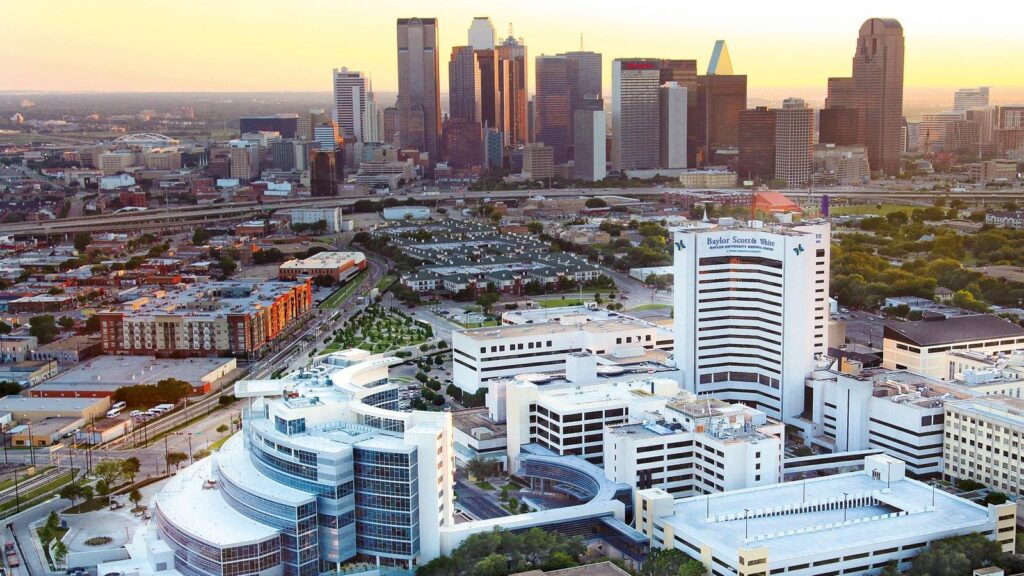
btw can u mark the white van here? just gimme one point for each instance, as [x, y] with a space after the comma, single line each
[119, 406]
[113, 412]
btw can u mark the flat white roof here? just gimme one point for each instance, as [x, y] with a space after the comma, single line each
[233, 461]
[129, 370]
[726, 536]
[573, 397]
[203, 512]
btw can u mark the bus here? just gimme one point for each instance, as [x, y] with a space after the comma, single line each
[114, 412]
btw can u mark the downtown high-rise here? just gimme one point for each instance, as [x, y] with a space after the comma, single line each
[794, 142]
[350, 91]
[513, 75]
[875, 90]
[557, 83]
[636, 113]
[419, 95]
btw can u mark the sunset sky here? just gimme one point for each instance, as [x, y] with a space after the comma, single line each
[278, 45]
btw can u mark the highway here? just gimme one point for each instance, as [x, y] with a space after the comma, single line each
[190, 216]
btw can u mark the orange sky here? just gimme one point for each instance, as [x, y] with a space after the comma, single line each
[193, 45]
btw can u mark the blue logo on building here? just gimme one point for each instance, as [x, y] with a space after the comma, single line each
[799, 248]
[680, 245]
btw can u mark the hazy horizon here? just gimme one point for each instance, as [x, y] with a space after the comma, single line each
[262, 46]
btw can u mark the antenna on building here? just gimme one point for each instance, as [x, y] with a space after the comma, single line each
[581, 41]
[510, 32]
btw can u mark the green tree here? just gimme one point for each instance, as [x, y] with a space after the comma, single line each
[670, 562]
[175, 459]
[222, 429]
[60, 551]
[82, 241]
[200, 236]
[535, 227]
[44, 328]
[135, 496]
[595, 203]
[487, 301]
[130, 467]
[956, 556]
[92, 324]
[66, 322]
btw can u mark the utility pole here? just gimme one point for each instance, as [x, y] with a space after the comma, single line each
[167, 461]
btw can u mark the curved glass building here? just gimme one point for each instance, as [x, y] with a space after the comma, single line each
[326, 470]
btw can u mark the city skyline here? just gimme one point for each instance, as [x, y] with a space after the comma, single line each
[206, 58]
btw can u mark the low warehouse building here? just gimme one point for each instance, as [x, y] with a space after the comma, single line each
[104, 375]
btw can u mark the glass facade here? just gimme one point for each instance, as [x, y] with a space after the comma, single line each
[387, 503]
[194, 557]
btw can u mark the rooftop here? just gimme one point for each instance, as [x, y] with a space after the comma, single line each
[952, 330]
[325, 260]
[1006, 409]
[190, 502]
[780, 519]
[29, 404]
[129, 370]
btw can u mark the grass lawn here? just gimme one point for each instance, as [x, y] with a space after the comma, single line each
[652, 307]
[872, 209]
[216, 445]
[385, 281]
[483, 324]
[45, 489]
[558, 303]
[97, 503]
[334, 300]
[484, 485]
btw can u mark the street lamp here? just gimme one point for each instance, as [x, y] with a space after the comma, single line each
[845, 496]
[746, 523]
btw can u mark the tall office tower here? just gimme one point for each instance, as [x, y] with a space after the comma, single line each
[350, 103]
[245, 159]
[487, 63]
[463, 144]
[390, 118]
[557, 82]
[684, 73]
[876, 90]
[672, 130]
[327, 136]
[839, 126]
[933, 129]
[589, 145]
[371, 117]
[512, 90]
[324, 172]
[778, 278]
[481, 33]
[794, 142]
[464, 84]
[721, 96]
[757, 144]
[419, 91]
[986, 118]
[494, 148]
[588, 84]
[967, 98]
[636, 113]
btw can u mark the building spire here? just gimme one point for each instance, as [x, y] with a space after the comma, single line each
[581, 41]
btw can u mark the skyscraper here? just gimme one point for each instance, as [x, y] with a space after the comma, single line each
[721, 96]
[968, 98]
[327, 136]
[684, 73]
[481, 33]
[324, 173]
[419, 96]
[876, 90]
[487, 63]
[557, 82]
[794, 142]
[371, 116]
[464, 84]
[389, 120]
[672, 129]
[512, 90]
[636, 111]
[757, 144]
[350, 103]
[589, 145]
[588, 85]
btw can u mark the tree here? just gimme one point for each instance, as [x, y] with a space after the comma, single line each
[222, 429]
[60, 551]
[92, 324]
[175, 459]
[44, 328]
[66, 322]
[200, 236]
[670, 562]
[130, 467]
[227, 266]
[955, 556]
[102, 488]
[535, 227]
[487, 301]
[5, 328]
[82, 241]
[70, 492]
[135, 496]
[87, 492]
[595, 203]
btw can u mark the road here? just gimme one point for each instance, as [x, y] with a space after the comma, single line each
[190, 216]
[31, 561]
[477, 502]
[864, 328]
